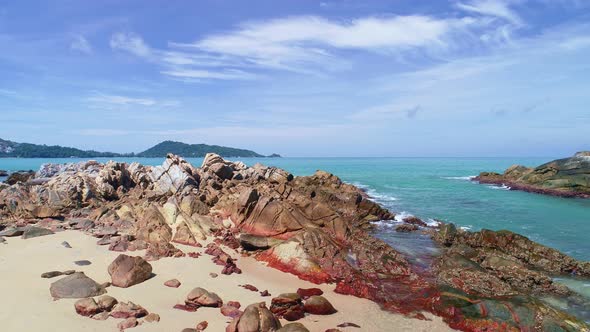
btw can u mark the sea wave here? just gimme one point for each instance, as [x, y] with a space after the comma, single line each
[402, 215]
[464, 178]
[374, 194]
[502, 187]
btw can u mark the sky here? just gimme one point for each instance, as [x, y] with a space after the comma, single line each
[298, 77]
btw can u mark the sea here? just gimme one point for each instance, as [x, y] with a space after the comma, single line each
[438, 189]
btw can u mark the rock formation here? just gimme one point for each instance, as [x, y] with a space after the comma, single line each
[568, 177]
[316, 227]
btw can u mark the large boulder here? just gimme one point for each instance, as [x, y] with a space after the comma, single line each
[199, 297]
[127, 271]
[76, 286]
[255, 318]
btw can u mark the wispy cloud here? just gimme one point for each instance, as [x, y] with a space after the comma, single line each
[496, 8]
[81, 44]
[131, 43]
[121, 100]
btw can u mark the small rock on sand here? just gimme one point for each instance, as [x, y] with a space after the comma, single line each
[82, 263]
[32, 231]
[127, 323]
[66, 244]
[318, 305]
[202, 326]
[152, 318]
[51, 274]
[174, 283]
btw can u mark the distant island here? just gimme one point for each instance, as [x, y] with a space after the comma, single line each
[27, 150]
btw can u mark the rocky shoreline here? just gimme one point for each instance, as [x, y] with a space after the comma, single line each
[568, 177]
[315, 227]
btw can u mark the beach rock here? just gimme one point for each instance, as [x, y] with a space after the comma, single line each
[174, 283]
[127, 271]
[288, 306]
[82, 262]
[200, 297]
[318, 305]
[12, 232]
[77, 285]
[255, 318]
[414, 221]
[152, 318]
[3, 173]
[32, 231]
[69, 272]
[86, 307]
[347, 324]
[103, 315]
[127, 310]
[106, 302]
[305, 293]
[19, 177]
[293, 327]
[128, 323]
[202, 326]
[65, 244]
[51, 274]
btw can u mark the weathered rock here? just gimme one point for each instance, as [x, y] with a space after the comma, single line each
[19, 177]
[77, 285]
[86, 307]
[406, 228]
[127, 271]
[288, 306]
[32, 231]
[200, 297]
[128, 323]
[65, 244]
[255, 318]
[318, 305]
[293, 327]
[51, 274]
[106, 302]
[127, 310]
[174, 283]
[11, 232]
[82, 262]
[152, 317]
[305, 293]
[202, 326]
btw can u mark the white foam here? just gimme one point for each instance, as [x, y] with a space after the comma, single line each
[402, 215]
[464, 178]
[465, 228]
[432, 223]
[502, 187]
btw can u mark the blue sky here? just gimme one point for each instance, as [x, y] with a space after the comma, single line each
[300, 78]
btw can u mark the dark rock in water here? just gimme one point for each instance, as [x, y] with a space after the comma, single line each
[3, 173]
[82, 263]
[127, 271]
[77, 285]
[12, 231]
[51, 274]
[406, 228]
[32, 231]
[65, 244]
[568, 177]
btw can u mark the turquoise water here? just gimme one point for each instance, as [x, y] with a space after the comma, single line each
[437, 188]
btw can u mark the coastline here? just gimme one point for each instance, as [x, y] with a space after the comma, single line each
[28, 304]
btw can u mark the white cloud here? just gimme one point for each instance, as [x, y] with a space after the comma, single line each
[496, 8]
[130, 42]
[207, 74]
[121, 100]
[81, 44]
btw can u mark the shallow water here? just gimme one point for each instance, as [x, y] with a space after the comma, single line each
[437, 188]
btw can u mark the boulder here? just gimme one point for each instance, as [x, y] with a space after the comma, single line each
[32, 231]
[293, 327]
[288, 306]
[19, 177]
[12, 232]
[106, 302]
[87, 307]
[127, 310]
[318, 305]
[255, 318]
[76, 286]
[200, 297]
[127, 271]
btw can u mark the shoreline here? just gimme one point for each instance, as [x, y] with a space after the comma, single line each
[22, 262]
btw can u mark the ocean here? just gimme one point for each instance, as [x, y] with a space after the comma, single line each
[434, 188]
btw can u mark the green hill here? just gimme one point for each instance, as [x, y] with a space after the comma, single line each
[27, 150]
[195, 150]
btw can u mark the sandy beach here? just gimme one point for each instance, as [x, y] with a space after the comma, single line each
[27, 304]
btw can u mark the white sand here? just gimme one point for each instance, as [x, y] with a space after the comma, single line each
[26, 304]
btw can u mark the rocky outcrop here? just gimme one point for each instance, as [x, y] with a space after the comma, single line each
[568, 177]
[316, 227]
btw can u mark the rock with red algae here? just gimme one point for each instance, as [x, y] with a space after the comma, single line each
[127, 271]
[318, 305]
[288, 306]
[255, 318]
[128, 323]
[127, 310]
[200, 297]
[305, 293]
[87, 307]
[202, 326]
[174, 283]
